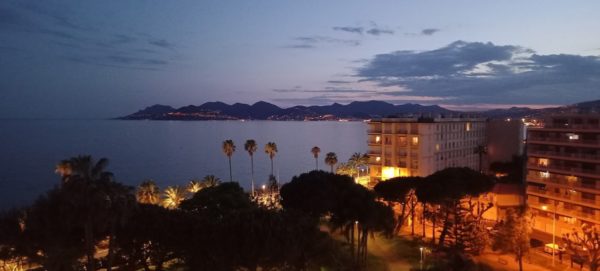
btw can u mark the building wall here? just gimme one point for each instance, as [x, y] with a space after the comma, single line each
[563, 172]
[504, 140]
[420, 147]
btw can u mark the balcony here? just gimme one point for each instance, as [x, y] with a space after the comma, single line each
[563, 141]
[564, 182]
[560, 210]
[374, 131]
[594, 173]
[594, 158]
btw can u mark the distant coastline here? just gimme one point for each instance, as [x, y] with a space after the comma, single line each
[355, 111]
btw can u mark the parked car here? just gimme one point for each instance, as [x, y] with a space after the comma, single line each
[548, 248]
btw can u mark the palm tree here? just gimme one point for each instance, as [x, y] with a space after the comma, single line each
[194, 186]
[480, 150]
[173, 196]
[148, 193]
[87, 181]
[331, 159]
[271, 150]
[229, 149]
[210, 181]
[250, 147]
[315, 151]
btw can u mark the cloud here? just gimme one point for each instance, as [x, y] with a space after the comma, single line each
[379, 31]
[338, 82]
[308, 42]
[350, 29]
[476, 72]
[429, 31]
[161, 43]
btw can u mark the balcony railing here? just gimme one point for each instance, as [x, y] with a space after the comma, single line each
[563, 180]
[564, 140]
[595, 157]
[576, 211]
[565, 169]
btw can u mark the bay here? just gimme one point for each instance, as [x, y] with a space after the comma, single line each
[169, 152]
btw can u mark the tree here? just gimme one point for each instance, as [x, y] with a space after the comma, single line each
[481, 150]
[358, 160]
[83, 178]
[351, 207]
[331, 160]
[210, 181]
[251, 147]
[447, 190]
[194, 186]
[271, 150]
[585, 244]
[228, 149]
[173, 196]
[315, 151]
[514, 234]
[400, 191]
[148, 193]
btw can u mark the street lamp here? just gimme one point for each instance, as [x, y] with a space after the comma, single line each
[554, 246]
[421, 261]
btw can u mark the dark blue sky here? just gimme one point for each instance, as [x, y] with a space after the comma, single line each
[88, 59]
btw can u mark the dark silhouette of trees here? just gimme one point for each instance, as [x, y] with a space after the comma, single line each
[400, 191]
[584, 243]
[353, 210]
[514, 234]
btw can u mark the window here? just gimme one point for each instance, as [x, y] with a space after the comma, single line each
[544, 174]
[468, 126]
[377, 159]
[543, 162]
[377, 139]
[415, 141]
[572, 136]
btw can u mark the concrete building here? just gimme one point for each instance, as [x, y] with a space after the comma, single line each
[422, 146]
[563, 172]
[504, 139]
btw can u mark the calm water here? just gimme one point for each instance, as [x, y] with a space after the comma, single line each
[169, 152]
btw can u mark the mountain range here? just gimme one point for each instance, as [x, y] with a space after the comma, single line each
[355, 110]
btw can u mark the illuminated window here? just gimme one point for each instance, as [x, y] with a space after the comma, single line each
[544, 174]
[377, 158]
[377, 139]
[437, 147]
[573, 136]
[392, 172]
[415, 140]
[468, 126]
[543, 162]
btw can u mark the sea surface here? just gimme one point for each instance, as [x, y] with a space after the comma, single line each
[168, 152]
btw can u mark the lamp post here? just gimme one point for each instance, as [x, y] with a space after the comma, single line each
[554, 246]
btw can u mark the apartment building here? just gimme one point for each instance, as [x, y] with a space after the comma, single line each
[422, 146]
[563, 172]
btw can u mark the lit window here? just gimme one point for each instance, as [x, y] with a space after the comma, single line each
[468, 126]
[377, 158]
[543, 162]
[544, 174]
[415, 140]
[573, 136]
[437, 147]
[377, 139]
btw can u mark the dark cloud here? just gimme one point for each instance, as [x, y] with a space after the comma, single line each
[356, 30]
[339, 82]
[475, 72]
[379, 31]
[161, 43]
[429, 31]
[300, 46]
[117, 61]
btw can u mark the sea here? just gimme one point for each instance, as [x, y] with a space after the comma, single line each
[168, 152]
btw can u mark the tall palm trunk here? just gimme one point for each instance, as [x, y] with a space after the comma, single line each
[272, 166]
[230, 174]
[89, 243]
[331, 168]
[317, 162]
[252, 170]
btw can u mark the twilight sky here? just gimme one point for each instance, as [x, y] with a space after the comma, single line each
[96, 59]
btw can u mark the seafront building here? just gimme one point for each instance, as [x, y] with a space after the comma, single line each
[563, 172]
[422, 146]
